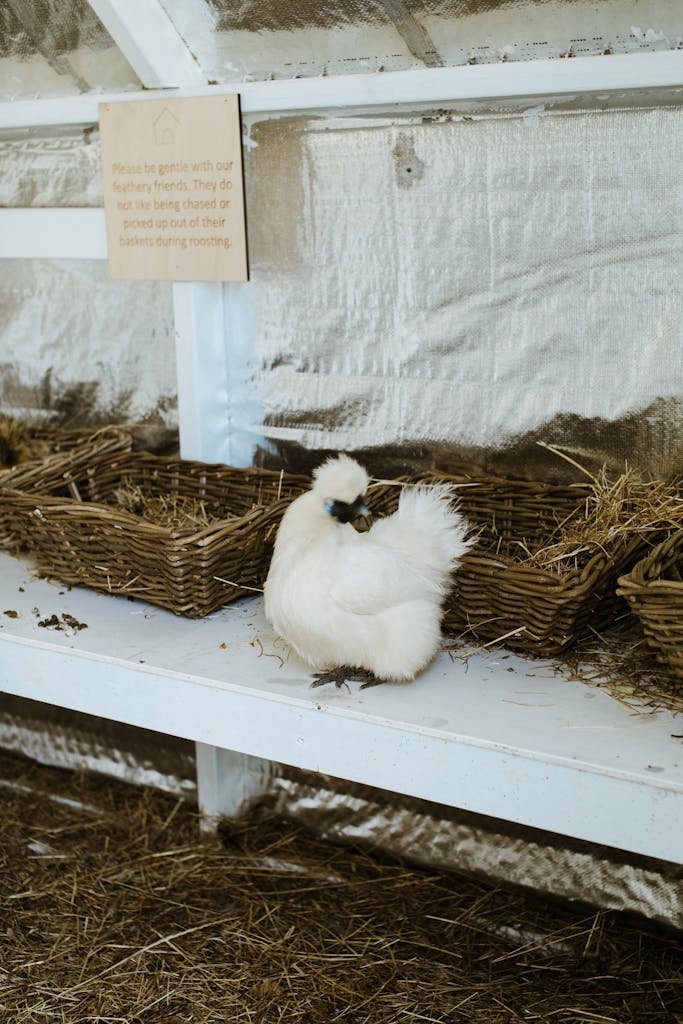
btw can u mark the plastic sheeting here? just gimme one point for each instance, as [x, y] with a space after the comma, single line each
[457, 286]
[441, 838]
[453, 840]
[76, 343]
[67, 739]
[279, 38]
[57, 46]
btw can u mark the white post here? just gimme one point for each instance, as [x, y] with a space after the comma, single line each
[228, 783]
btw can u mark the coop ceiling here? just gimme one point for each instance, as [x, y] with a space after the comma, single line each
[57, 46]
[262, 39]
[62, 46]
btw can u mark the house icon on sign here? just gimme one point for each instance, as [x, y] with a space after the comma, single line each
[165, 125]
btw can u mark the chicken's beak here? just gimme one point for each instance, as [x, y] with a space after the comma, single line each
[363, 520]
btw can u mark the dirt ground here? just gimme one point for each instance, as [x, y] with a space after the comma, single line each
[113, 910]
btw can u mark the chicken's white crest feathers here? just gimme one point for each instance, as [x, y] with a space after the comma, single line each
[340, 478]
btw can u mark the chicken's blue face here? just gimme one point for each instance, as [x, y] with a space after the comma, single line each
[347, 512]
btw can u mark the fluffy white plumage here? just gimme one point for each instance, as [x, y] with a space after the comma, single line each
[371, 600]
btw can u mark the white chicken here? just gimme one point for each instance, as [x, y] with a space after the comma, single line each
[363, 605]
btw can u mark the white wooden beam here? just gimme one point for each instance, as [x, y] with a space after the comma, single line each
[430, 87]
[150, 42]
[68, 233]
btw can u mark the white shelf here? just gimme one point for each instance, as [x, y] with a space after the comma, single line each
[494, 734]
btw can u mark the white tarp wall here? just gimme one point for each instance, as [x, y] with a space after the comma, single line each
[431, 287]
[448, 285]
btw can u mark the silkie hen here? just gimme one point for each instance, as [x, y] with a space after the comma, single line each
[363, 605]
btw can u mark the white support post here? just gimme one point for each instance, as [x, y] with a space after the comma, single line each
[150, 42]
[228, 783]
[198, 315]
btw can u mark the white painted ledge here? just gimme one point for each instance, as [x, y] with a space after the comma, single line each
[496, 735]
[533, 80]
[76, 233]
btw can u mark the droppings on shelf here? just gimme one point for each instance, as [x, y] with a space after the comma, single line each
[68, 624]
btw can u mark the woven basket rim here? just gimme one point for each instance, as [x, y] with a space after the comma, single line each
[112, 438]
[138, 524]
[193, 470]
[646, 575]
[582, 576]
[472, 478]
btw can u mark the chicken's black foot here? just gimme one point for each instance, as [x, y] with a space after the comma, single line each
[370, 680]
[340, 676]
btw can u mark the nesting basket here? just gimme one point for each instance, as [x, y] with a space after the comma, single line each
[65, 512]
[50, 473]
[22, 445]
[654, 590]
[499, 597]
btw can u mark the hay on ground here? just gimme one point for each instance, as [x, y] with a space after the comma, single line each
[112, 911]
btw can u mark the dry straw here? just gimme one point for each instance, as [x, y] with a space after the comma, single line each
[173, 511]
[621, 661]
[545, 566]
[13, 443]
[615, 511]
[111, 910]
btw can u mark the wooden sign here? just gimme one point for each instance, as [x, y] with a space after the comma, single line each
[173, 189]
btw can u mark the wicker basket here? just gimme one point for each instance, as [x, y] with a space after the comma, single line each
[499, 598]
[50, 474]
[654, 590]
[23, 445]
[65, 513]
